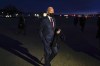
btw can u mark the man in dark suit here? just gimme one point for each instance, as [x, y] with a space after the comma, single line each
[47, 32]
[21, 24]
[82, 22]
[98, 31]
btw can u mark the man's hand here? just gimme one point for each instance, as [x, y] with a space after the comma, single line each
[58, 31]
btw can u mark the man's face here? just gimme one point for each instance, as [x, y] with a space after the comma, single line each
[50, 10]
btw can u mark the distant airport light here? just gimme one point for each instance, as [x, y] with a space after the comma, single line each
[60, 15]
[66, 15]
[2, 12]
[7, 16]
[17, 14]
[79, 15]
[35, 14]
[86, 16]
[74, 15]
[10, 16]
[44, 14]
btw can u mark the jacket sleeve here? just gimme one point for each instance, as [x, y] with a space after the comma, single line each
[42, 24]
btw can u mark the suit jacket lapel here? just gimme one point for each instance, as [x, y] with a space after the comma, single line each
[48, 20]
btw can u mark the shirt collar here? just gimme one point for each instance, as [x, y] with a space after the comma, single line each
[49, 17]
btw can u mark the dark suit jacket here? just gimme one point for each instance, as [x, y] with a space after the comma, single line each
[46, 30]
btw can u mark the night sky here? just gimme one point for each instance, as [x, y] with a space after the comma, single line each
[61, 6]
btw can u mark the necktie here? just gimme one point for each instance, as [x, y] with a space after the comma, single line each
[52, 22]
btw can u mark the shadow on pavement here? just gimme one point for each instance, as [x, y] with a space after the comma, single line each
[14, 47]
[82, 45]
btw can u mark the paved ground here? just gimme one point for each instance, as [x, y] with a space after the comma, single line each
[79, 49]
